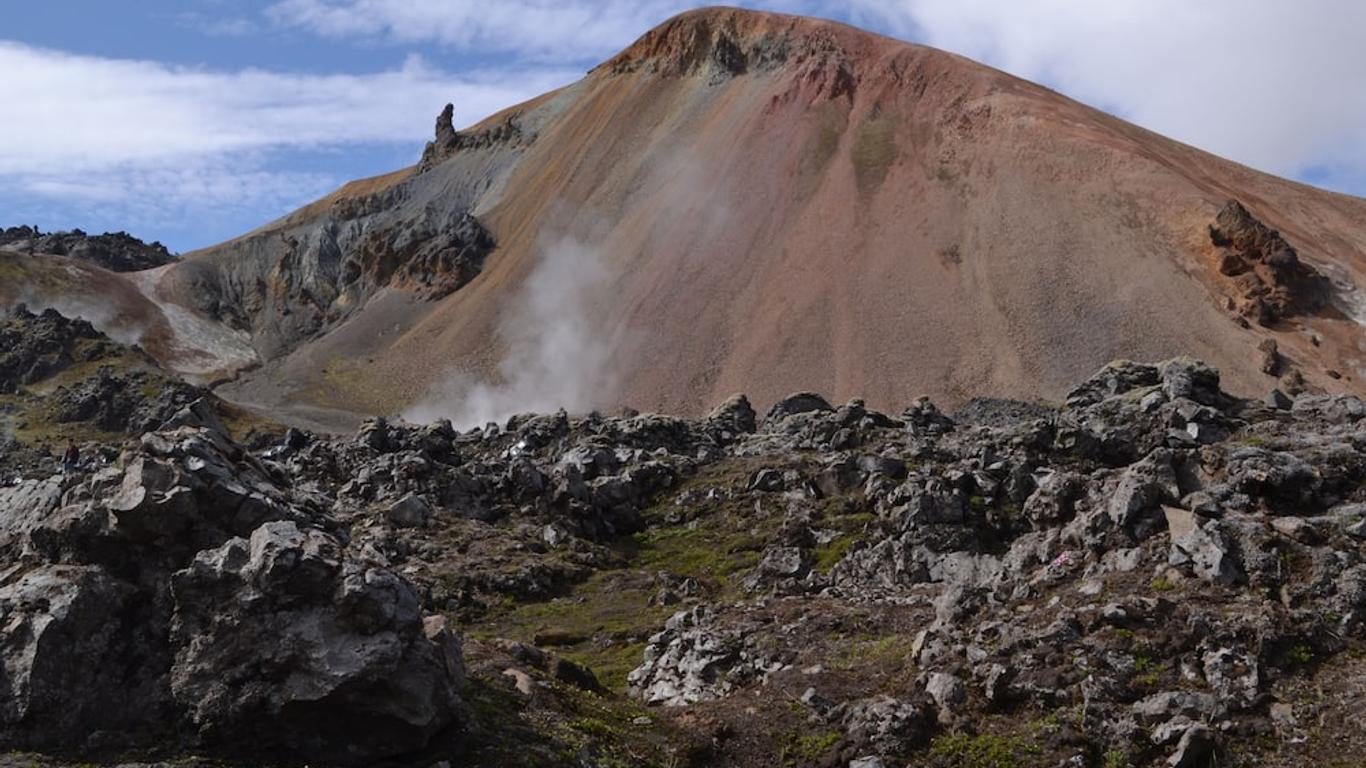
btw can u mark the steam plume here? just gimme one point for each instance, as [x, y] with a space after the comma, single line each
[556, 357]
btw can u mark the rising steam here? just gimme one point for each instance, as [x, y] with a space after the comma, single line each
[102, 314]
[556, 356]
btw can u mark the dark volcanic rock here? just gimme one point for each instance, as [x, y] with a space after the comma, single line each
[116, 251]
[188, 597]
[286, 644]
[801, 402]
[35, 347]
[995, 412]
[447, 141]
[131, 403]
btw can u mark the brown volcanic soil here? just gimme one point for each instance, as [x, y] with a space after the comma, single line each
[125, 306]
[863, 217]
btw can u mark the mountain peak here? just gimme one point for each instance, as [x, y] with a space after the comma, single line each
[733, 41]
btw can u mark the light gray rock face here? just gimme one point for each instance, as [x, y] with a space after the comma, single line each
[693, 659]
[1206, 549]
[284, 284]
[891, 726]
[1142, 488]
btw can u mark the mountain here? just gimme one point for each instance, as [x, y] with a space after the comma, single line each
[755, 202]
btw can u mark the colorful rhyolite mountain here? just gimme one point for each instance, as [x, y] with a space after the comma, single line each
[755, 202]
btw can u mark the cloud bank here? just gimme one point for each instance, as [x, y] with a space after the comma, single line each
[155, 140]
[534, 29]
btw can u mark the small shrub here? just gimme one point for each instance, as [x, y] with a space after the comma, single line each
[1162, 585]
[807, 748]
[1300, 654]
[986, 750]
[832, 552]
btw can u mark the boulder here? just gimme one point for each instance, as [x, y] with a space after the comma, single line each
[924, 418]
[801, 402]
[696, 658]
[1233, 675]
[1203, 545]
[411, 511]
[75, 658]
[1330, 409]
[948, 694]
[766, 480]
[201, 413]
[285, 644]
[576, 675]
[1141, 491]
[1282, 480]
[1196, 749]
[1278, 400]
[1116, 378]
[1054, 498]
[1196, 705]
[1184, 378]
[888, 725]
[24, 508]
[734, 416]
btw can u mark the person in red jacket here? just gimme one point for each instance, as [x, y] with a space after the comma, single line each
[71, 457]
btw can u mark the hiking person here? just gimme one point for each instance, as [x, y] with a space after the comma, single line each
[71, 457]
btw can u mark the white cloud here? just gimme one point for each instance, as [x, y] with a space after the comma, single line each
[1268, 83]
[83, 112]
[150, 137]
[561, 30]
[152, 193]
[217, 26]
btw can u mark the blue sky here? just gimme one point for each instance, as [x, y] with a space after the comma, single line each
[191, 122]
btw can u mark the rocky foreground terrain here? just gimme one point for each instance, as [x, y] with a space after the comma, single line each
[1152, 573]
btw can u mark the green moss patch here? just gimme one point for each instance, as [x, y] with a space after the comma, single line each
[874, 152]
